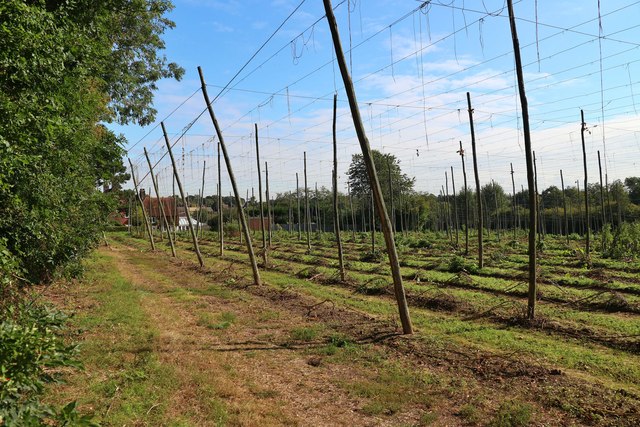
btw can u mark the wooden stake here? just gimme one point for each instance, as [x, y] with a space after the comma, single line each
[336, 216]
[477, 178]
[144, 212]
[160, 204]
[371, 170]
[533, 291]
[184, 200]
[242, 219]
[200, 202]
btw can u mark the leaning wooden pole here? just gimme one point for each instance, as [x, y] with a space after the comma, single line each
[264, 236]
[160, 203]
[184, 200]
[371, 170]
[466, 202]
[243, 220]
[477, 178]
[533, 291]
[336, 216]
[583, 128]
[144, 212]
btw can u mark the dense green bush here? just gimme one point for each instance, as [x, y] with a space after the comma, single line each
[623, 242]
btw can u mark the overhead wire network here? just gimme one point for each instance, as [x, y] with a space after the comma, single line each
[406, 99]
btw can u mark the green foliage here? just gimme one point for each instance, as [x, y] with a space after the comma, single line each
[31, 349]
[624, 242]
[457, 264]
[65, 68]
[512, 414]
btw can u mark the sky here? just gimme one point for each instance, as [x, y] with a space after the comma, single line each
[412, 64]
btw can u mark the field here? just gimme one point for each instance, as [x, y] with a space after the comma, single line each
[308, 349]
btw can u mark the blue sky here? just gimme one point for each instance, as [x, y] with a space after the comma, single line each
[412, 68]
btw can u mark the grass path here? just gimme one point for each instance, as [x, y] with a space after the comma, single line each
[166, 343]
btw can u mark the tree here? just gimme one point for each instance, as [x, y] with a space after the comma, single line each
[359, 181]
[65, 67]
[633, 186]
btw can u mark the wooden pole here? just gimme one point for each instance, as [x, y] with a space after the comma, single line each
[537, 206]
[564, 206]
[455, 205]
[242, 219]
[264, 236]
[299, 213]
[372, 218]
[513, 186]
[266, 180]
[603, 215]
[184, 200]
[336, 220]
[466, 202]
[307, 212]
[533, 291]
[160, 204]
[477, 178]
[220, 213]
[393, 213]
[583, 128]
[495, 198]
[353, 214]
[144, 212]
[371, 170]
[200, 202]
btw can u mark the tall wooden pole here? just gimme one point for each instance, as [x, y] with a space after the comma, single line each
[336, 216]
[455, 205]
[513, 186]
[393, 213]
[264, 236]
[466, 202]
[299, 213]
[144, 212]
[160, 203]
[353, 214]
[564, 206]
[477, 178]
[242, 219]
[184, 200]
[307, 212]
[533, 291]
[220, 214]
[266, 180]
[603, 212]
[371, 170]
[200, 202]
[583, 128]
